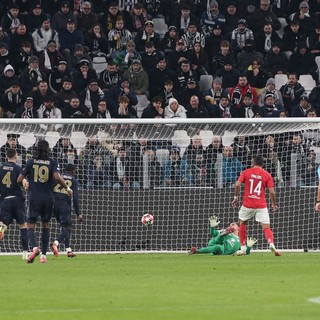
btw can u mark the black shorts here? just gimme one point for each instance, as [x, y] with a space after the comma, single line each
[62, 212]
[40, 208]
[12, 208]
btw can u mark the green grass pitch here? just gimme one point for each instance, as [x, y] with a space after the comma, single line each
[161, 286]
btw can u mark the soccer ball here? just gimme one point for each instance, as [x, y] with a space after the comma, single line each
[147, 219]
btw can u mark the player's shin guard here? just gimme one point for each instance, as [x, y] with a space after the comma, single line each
[243, 234]
[45, 240]
[32, 238]
[24, 239]
[268, 234]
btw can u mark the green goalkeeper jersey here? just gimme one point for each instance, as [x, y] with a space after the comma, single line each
[230, 243]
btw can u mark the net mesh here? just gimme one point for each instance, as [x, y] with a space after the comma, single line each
[181, 173]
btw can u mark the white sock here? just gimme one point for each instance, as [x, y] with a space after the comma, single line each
[243, 248]
[56, 242]
[68, 249]
[43, 256]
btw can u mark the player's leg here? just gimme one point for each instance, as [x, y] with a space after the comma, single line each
[262, 216]
[46, 213]
[215, 250]
[245, 214]
[19, 215]
[6, 216]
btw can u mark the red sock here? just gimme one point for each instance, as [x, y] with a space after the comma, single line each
[268, 234]
[243, 234]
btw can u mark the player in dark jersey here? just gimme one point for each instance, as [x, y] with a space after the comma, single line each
[62, 210]
[12, 199]
[40, 173]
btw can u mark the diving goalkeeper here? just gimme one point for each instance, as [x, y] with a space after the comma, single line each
[223, 242]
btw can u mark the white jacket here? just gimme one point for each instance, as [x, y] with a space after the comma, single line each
[54, 113]
[181, 112]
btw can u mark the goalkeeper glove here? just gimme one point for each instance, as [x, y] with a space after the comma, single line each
[214, 221]
[251, 241]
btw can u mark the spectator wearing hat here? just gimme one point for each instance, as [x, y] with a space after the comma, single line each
[91, 96]
[224, 53]
[146, 35]
[35, 17]
[7, 78]
[265, 38]
[78, 55]
[136, 18]
[179, 54]
[183, 19]
[195, 109]
[270, 108]
[212, 17]
[31, 76]
[302, 108]
[248, 53]
[86, 18]
[257, 76]
[12, 99]
[270, 88]
[40, 94]
[66, 93]
[69, 37]
[12, 19]
[305, 17]
[121, 89]
[168, 42]
[5, 56]
[118, 37]
[96, 42]
[42, 35]
[174, 110]
[261, 15]
[292, 35]
[49, 58]
[199, 60]
[21, 58]
[60, 18]
[138, 78]
[109, 77]
[291, 92]
[228, 74]
[213, 42]
[192, 35]
[48, 110]
[125, 57]
[275, 60]
[81, 75]
[213, 95]
[108, 19]
[27, 111]
[155, 109]
[232, 17]
[303, 62]
[20, 35]
[13, 143]
[240, 35]
[57, 75]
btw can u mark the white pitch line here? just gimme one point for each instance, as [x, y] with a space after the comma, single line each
[315, 300]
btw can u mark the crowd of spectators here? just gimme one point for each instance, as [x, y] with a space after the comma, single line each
[48, 51]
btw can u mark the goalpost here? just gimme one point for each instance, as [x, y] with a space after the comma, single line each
[113, 197]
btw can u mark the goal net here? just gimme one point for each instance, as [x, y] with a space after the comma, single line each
[181, 171]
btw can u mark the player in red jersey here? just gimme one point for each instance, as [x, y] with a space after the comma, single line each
[256, 180]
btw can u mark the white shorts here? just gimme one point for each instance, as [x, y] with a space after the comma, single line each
[261, 214]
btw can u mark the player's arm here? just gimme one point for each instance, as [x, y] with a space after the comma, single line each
[273, 199]
[317, 206]
[235, 200]
[57, 176]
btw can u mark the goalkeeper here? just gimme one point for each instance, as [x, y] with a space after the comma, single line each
[223, 242]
